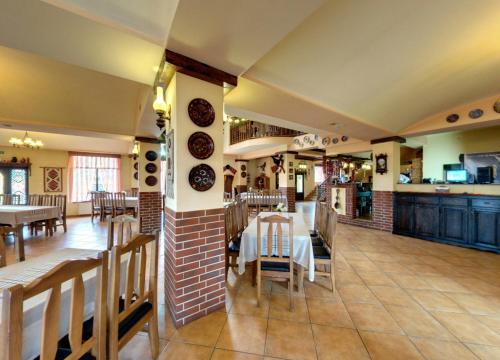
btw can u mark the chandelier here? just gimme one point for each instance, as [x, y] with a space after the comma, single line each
[26, 141]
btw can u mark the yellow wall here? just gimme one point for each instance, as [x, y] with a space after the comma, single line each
[54, 158]
[445, 148]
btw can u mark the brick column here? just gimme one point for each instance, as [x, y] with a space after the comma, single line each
[149, 211]
[194, 263]
[289, 192]
[382, 207]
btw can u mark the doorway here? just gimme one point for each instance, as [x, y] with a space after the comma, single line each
[299, 187]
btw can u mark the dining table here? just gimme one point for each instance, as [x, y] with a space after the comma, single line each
[31, 269]
[18, 215]
[303, 255]
[131, 201]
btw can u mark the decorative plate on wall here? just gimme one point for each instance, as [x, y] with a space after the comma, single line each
[136, 175]
[243, 174]
[150, 168]
[335, 140]
[243, 167]
[345, 138]
[201, 112]
[476, 113]
[496, 106]
[452, 118]
[202, 177]
[201, 145]
[151, 180]
[326, 141]
[151, 155]
[136, 166]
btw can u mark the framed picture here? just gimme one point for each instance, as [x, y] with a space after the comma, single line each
[290, 163]
[52, 179]
[381, 163]
[290, 177]
[290, 171]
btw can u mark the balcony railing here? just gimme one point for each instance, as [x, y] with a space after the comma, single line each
[254, 130]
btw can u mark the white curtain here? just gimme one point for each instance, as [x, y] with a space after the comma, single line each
[93, 173]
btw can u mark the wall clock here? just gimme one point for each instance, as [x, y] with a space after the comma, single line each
[381, 163]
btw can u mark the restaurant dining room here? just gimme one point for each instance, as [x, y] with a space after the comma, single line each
[249, 180]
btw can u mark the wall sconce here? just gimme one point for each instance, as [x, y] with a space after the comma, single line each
[303, 166]
[161, 108]
[135, 150]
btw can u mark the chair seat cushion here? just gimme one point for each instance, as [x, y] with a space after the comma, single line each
[274, 266]
[127, 323]
[234, 246]
[63, 353]
[320, 252]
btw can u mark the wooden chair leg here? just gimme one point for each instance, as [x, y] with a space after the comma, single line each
[258, 287]
[154, 337]
[65, 227]
[3, 255]
[290, 293]
[300, 279]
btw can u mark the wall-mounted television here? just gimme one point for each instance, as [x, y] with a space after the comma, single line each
[456, 176]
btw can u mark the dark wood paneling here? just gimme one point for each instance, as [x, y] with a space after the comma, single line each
[427, 220]
[485, 228]
[453, 223]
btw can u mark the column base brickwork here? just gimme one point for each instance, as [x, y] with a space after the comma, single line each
[194, 263]
[149, 211]
[289, 192]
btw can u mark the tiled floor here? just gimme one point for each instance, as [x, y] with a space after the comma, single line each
[398, 298]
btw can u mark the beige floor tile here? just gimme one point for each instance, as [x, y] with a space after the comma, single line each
[485, 352]
[376, 278]
[357, 294]
[387, 346]
[467, 329]
[334, 343]
[493, 322]
[233, 355]
[423, 269]
[393, 267]
[138, 347]
[204, 331]
[407, 281]
[434, 300]
[477, 304]
[320, 288]
[440, 350]
[445, 284]
[372, 318]
[354, 255]
[417, 322]
[362, 265]
[389, 295]
[348, 277]
[243, 333]
[279, 309]
[245, 304]
[328, 312]
[290, 340]
[176, 351]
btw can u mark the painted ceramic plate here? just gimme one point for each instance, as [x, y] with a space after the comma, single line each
[476, 113]
[201, 145]
[201, 112]
[243, 174]
[202, 177]
[243, 168]
[496, 106]
[151, 180]
[151, 168]
[345, 138]
[326, 141]
[335, 140]
[136, 166]
[136, 175]
[452, 118]
[151, 155]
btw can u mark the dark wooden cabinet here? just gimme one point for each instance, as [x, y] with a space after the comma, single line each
[465, 220]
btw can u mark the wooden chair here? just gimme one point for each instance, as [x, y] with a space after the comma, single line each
[15, 199]
[34, 199]
[78, 343]
[60, 202]
[325, 255]
[124, 229]
[5, 199]
[134, 192]
[4, 232]
[232, 247]
[275, 264]
[119, 204]
[44, 200]
[95, 200]
[106, 204]
[130, 311]
[315, 233]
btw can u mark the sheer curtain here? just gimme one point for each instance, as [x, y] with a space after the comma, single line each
[92, 172]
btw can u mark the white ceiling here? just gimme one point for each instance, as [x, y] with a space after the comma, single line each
[232, 35]
[389, 63]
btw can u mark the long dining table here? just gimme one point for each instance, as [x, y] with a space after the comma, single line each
[29, 270]
[302, 244]
[18, 215]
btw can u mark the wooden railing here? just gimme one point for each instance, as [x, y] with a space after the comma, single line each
[254, 130]
[322, 189]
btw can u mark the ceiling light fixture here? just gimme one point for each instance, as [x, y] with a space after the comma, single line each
[26, 141]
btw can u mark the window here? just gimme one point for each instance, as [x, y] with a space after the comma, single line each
[14, 181]
[91, 172]
[319, 177]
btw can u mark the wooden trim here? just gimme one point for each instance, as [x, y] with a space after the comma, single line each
[397, 139]
[75, 153]
[305, 157]
[241, 160]
[147, 140]
[199, 70]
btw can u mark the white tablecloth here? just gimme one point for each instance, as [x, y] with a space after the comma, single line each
[131, 201]
[302, 245]
[26, 271]
[263, 199]
[21, 214]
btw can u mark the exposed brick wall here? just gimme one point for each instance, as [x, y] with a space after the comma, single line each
[290, 196]
[382, 210]
[194, 263]
[150, 211]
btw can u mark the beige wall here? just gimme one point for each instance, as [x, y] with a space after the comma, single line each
[445, 148]
[55, 158]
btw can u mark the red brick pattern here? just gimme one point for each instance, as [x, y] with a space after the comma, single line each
[194, 263]
[290, 197]
[149, 211]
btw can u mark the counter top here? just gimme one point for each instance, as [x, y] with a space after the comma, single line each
[460, 189]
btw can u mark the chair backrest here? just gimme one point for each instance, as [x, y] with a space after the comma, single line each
[60, 202]
[16, 199]
[228, 196]
[279, 248]
[14, 297]
[5, 199]
[316, 215]
[331, 229]
[119, 200]
[124, 223]
[244, 212]
[134, 192]
[34, 199]
[139, 289]
[239, 216]
[107, 200]
[323, 219]
[46, 200]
